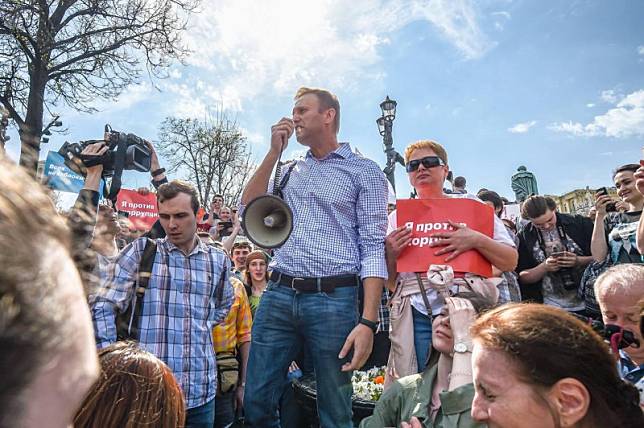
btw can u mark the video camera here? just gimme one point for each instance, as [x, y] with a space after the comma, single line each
[124, 152]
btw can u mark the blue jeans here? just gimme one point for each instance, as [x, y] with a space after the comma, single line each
[225, 409]
[284, 322]
[202, 416]
[422, 337]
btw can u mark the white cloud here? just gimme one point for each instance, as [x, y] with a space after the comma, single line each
[590, 105]
[522, 128]
[498, 24]
[247, 48]
[626, 119]
[640, 50]
[609, 96]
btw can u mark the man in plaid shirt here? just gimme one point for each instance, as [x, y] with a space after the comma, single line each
[188, 294]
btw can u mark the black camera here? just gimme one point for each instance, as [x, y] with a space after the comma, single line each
[124, 152]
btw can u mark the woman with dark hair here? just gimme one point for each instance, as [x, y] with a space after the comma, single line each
[442, 394]
[537, 366]
[554, 250]
[509, 290]
[134, 389]
[256, 277]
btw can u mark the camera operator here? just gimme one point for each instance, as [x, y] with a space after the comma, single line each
[98, 232]
[554, 250]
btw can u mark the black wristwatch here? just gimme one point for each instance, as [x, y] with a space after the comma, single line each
[373, 325]
[157, 172]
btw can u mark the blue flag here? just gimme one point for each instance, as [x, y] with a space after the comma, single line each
[60, 177]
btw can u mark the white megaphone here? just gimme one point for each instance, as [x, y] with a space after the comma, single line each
[267, 219]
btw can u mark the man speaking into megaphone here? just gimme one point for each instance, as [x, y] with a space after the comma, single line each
[338, 201]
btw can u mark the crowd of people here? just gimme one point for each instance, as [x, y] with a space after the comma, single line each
[190, 324]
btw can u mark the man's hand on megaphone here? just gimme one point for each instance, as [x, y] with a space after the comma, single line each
[280, 133]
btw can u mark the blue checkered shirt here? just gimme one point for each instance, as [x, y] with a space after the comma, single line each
[339, 208]
[182, 303]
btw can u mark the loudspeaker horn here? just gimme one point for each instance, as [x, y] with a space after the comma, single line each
[268, 221]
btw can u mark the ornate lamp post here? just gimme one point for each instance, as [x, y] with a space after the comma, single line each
[385, 125]
[4, 123]
[53, 123]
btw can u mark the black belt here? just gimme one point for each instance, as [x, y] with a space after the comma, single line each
[312, 285]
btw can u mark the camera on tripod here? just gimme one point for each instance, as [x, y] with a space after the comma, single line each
[124, 152]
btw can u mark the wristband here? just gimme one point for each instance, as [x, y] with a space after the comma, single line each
[157, 172]
[371, 324]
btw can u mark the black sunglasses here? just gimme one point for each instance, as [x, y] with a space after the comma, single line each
[427, 161]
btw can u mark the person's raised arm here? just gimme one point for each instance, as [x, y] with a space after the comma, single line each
[639, 183]
[258, 183]
[82, 218]
[598, 244]
[157, 173]
[461, 318]
[228, 242]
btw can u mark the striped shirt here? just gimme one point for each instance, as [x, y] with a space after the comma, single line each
[183, 302]
[339, 208]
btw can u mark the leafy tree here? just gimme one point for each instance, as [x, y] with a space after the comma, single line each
[75, 51]
[212, 153]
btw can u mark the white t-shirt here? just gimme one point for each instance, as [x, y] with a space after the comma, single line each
[436, 302]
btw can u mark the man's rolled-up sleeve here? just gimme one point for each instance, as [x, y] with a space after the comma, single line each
[222, 296]
[371, 212]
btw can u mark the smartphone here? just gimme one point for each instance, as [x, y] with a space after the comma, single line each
[558, 254]
[226, 224]
[610, 207]
[602, 191]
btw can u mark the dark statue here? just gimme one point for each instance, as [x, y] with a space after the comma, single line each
[524, 184]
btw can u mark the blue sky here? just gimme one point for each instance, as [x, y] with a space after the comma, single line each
[557, 86]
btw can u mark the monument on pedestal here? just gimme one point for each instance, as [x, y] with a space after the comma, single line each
[524, 184]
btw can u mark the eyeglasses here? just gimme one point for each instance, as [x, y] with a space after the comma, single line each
[427, 161]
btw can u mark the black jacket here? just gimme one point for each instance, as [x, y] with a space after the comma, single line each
[578, 228]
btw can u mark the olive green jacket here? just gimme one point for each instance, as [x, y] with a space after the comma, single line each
[410, 396]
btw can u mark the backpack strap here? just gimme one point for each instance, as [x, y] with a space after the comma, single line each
[127, 323]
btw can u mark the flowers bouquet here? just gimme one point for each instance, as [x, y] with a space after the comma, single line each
[368, 385]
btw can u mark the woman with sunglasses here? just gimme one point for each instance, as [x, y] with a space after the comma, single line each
[426, 164]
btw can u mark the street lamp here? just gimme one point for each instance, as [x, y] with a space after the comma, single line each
[4, 123]
[53, 123]
[385, 124]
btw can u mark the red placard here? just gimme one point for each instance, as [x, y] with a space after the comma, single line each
[427, 217]
[141, 209]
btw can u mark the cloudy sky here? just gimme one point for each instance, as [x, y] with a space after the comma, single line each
[557, 86]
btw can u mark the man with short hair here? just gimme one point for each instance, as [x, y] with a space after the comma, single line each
[339, 201]
[47, 355]
[459, 185]
[187, 295]
[239, 252]
[216, 204]
[554, 250]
